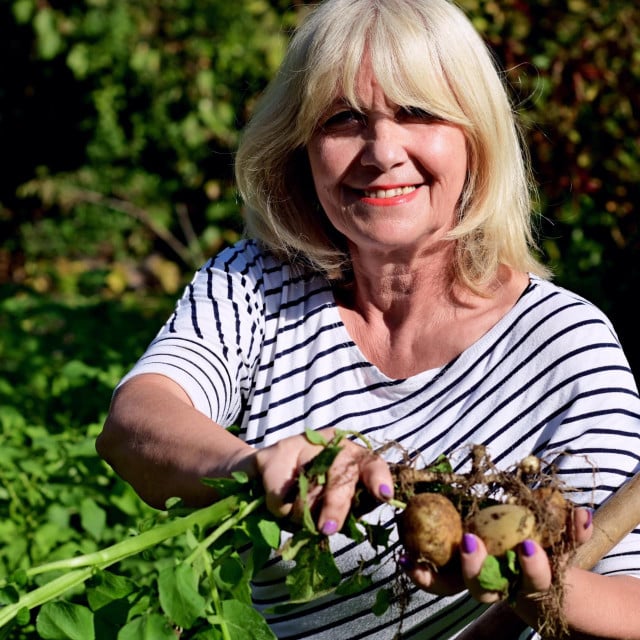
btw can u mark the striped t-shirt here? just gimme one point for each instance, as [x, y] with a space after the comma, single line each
[259, 344]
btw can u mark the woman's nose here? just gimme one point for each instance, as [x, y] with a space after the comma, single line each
[384, 144]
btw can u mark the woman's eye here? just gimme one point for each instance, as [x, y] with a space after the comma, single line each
[342, 119]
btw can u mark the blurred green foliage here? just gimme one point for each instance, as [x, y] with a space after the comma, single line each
[119, 121]
[118, 124]
[122, 119]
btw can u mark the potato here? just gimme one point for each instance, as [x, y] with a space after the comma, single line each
[430, 528]
[503, 526]
[556, 512]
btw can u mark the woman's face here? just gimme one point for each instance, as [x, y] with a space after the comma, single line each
[388, 178]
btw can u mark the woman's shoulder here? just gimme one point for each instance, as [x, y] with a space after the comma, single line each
[254, 267]
[242, 256]
[562, 306]
[556, 294]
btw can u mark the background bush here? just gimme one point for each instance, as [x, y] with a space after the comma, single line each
[118, 122]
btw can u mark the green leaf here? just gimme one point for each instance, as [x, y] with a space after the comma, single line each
[49, 41]
[384, 598]
[314, 574]
[511, 562]
[93, 518]
[244, 622]
[440, 465]
[65, 621]
[270, 531]
[377, 534]
[9, 595]
[303, 492]
[105, 587]
[147, 627]
[315, 437]
[351, 528]
[240, 477]
[492, 576]
[23, 616]
[226, 486]
[179, 597]
[229, 573]
[293, 545]
[319, 465]
[354, 584]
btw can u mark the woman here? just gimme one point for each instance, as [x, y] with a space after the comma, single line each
[388, 285]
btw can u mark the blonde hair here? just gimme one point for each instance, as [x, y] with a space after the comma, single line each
[425, 54]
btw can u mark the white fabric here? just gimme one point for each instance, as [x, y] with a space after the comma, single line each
[258, 344]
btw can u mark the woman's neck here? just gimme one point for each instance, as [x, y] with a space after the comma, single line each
[407, 321]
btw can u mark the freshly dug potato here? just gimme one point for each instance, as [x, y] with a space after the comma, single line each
[503, 526]
[430, 528]
[556, 512]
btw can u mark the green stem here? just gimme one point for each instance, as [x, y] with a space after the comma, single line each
[398, 504]
[229, 523]
[205, 517]
[45, 593]
[222, 623]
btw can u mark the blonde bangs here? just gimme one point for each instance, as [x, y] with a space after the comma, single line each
[405, 61]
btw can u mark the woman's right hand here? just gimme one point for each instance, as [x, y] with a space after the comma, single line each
[281, 463]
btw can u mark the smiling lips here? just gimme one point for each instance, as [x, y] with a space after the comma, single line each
[389, 195]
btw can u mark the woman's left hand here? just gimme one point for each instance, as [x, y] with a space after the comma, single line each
[534, 562]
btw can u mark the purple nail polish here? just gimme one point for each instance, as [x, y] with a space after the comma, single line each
[528, 548]
[589, 520]
[469, 543]
[404, 561]
[329, 527]
[385, 491]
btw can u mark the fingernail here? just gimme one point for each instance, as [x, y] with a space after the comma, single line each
[385, 491]
[528, 548]
[404, 561]
[469, 543]
[329, 527]
[587, 524]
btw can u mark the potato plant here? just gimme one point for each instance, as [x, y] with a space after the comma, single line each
[200, 588]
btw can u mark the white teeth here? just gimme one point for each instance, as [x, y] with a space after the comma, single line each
[388, 193]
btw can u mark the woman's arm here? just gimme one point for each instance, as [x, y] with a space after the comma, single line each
[155, 440]
[595, 606]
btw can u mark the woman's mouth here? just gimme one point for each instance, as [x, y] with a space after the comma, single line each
[380, 194]
[389, 196]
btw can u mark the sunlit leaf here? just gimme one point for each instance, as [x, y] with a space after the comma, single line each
[65, 621]
[179, 596]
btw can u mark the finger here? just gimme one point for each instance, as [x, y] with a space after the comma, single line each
[353, 465]
[376, 476]
[420, 574]
[536, 569]
[280, 466]
[442, 581]
[342, 478]
[582, 524]
[277, 490]
[472, 556]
